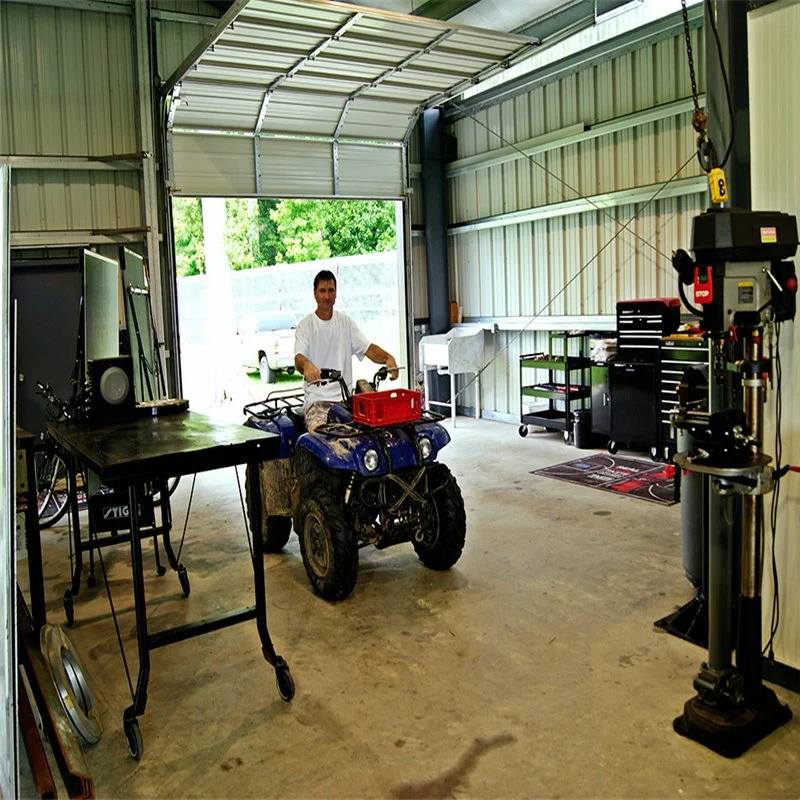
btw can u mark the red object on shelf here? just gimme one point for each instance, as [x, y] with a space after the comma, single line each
[387, 408]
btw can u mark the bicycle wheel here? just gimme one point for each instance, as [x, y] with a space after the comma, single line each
[172, 485]
[52, 487]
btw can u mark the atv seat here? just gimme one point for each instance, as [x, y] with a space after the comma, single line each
[298, 417]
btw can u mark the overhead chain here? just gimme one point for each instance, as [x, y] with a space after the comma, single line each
[705, 149]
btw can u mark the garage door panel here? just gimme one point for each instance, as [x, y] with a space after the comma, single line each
[213, 165]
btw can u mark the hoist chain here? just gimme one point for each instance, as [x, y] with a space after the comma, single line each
[699, 118]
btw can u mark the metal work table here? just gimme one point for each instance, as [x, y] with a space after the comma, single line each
[155, 448]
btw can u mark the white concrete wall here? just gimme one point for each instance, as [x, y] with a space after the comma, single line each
[774, 59]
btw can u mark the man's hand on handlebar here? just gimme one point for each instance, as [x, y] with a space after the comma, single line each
[311, 372]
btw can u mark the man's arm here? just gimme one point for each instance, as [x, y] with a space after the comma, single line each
[306, 368]
[380, 356]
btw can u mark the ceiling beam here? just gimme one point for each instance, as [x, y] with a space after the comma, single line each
[442, 9]
[224, 23]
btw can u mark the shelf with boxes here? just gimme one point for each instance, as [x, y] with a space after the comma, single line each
[559, 378]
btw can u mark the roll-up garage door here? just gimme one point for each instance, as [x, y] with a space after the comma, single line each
[313, 98]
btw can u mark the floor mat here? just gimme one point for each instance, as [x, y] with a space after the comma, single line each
[621, 474]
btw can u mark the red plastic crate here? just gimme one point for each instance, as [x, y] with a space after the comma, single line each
[387, 408]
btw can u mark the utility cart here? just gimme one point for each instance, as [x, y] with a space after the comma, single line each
[559, 379]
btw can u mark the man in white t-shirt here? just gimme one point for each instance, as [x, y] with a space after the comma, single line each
[329, 339]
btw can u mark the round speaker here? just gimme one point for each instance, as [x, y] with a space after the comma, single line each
[114, 386]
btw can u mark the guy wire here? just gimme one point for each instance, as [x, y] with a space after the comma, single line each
[613, 238]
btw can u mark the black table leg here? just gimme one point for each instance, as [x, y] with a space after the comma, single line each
[33, 541]
[75, 586]
[283, 676]
[129, 718]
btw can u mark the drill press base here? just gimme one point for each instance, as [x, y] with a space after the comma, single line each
[731, 731]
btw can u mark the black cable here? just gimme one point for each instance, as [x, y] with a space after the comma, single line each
[244, 511]
[186, 520]
[93, 536]
[776, 606]
[713, 25]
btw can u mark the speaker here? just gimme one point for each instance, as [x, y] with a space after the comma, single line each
[111, 395]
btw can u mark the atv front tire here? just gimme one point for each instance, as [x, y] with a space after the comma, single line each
[327, 544]
[442, 542]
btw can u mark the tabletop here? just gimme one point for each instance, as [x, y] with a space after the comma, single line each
[163, 446]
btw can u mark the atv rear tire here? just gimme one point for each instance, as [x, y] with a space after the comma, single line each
[274, 531]
[328, 546]
[442, 547]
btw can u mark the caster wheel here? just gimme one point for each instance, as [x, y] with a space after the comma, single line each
[160, 570]
[68, 608]
[523, 431]
[183, 577]
[613, 448]
[134, 737]
[285, 683]
[91, 581]
[568, 437]
[655, 455]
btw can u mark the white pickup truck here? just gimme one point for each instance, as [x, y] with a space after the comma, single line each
[267, 343]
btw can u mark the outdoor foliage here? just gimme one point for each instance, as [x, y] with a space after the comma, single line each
[263, 232]
[187, 219]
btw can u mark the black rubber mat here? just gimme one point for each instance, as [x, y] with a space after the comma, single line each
[633, 477]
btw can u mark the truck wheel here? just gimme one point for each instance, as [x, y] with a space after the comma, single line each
[266, 372]
[274, 531]
[439, 546]
[328, 546]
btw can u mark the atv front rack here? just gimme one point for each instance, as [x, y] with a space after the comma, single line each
[276, 403]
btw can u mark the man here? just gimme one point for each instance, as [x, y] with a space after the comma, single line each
[329, 339]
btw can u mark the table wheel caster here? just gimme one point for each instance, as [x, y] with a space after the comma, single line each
[523, 431]
[68, 608]
[160, 570]
[183, 577]
[613, 448]
[134, 737]
[285, 681]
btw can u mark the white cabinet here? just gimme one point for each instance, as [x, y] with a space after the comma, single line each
[459, 351]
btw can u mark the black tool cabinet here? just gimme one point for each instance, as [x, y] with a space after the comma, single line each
[559, 378]
[634, 376]
[676, 353]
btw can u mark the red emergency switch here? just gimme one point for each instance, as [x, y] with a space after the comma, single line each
[703, 286]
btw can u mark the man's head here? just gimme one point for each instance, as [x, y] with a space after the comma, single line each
[325, 293]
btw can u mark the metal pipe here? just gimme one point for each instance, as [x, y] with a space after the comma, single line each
[729, 126]
[751, 506]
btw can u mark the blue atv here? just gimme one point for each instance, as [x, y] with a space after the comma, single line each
[348, 485]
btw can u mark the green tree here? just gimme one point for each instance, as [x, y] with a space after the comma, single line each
[187, 220]
[311, 229]
[241, 232]
[300, 226]
[353, 227]
[269, 243]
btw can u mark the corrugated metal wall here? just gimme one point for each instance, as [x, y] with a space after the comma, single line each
[69, 89]
[774, 62]
[573, 263]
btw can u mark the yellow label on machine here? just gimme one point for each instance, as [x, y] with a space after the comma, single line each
[718, 185]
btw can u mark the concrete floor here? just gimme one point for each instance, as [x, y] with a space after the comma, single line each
[531, 669]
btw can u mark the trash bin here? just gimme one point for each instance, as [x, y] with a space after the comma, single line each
[582, 428]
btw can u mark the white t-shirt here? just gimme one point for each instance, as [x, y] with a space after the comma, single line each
[329, 344]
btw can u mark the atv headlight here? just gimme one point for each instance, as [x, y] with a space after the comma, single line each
[425, 447]
[371, 460]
